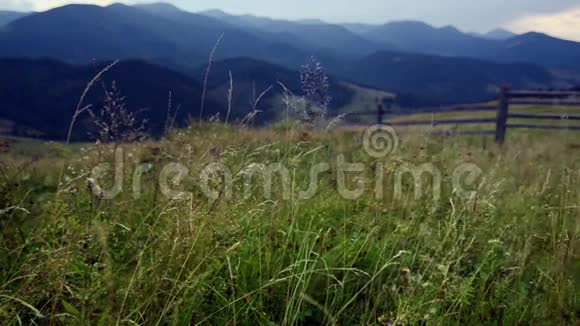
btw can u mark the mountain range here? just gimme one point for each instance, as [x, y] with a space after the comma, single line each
[498, 45]
[165, 34]
[425, 65]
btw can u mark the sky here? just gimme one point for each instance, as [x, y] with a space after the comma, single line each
[556, 17]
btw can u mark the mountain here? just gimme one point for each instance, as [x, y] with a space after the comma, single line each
[498, 46]
[419, 37]
[499, 34]
[7, 17]
[41, 95]
[429, 80]
[540, 49]
[123, 32]
[307, 34]
[100, 33]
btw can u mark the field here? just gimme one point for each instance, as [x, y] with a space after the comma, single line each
[493, 239]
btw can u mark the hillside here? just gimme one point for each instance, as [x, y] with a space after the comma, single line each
[426, 80]
[40, 96]
[492, 239]
[251, 77]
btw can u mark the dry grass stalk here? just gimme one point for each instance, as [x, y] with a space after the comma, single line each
[230, 96]
[206, 77]
[80, 108]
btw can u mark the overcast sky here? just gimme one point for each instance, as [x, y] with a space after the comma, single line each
[558, 17]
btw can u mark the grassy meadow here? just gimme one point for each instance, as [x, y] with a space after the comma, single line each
[507, 254]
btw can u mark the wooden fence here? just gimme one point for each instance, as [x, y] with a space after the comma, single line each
[506, 97]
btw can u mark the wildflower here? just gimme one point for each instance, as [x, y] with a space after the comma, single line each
[315, 86]
[114, 122]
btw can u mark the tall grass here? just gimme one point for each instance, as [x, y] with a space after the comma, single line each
[507, 256]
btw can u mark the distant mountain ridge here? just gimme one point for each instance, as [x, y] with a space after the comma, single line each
[7, 17]
[498, 45]
[420, 37]
[542, 49]
[314, 34]
[82, 33]
[165, 34]
[423, 80]
[41, 95]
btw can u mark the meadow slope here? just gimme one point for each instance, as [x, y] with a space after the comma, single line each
[498, 245]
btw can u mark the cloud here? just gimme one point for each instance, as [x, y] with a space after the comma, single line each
[18, 5]
[42, 5]
[565, 24]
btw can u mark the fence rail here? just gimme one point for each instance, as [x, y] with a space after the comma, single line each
[505, 98]
[542, 94]
[551, 102]
[542, 116]
[441, 122]
[464, 132]
[541, 126]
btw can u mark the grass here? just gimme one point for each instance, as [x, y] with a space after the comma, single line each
[509, 255]
[364, 99]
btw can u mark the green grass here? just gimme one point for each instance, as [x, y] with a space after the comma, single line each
[364, 99]
[508, 255]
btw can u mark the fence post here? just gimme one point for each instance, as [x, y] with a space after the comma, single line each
[502, 114]
[380, 113]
